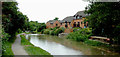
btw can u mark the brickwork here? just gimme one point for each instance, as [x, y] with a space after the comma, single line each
[68, 30]
[52, 25]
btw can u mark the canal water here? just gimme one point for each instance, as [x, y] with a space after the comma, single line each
[61, 46]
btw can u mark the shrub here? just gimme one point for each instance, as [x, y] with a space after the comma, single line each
[57, 31]
[80, 35]
[46, 31]
[5, 36]
[62, 28]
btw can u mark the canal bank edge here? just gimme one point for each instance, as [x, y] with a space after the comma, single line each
[31, 49]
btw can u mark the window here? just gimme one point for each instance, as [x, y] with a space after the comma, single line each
[81, 22]
[74, 25]
[61, 23]
[78, 25]
[69, 23]
[66, 25]
[56, 24]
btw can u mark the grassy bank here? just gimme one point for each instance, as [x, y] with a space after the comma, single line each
[104, 46]
[7, 48]
[82, 35]
[31, 49]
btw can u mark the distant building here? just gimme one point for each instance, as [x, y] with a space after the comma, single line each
[69, 22]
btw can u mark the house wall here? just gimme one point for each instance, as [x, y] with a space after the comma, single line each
[78, 20]
[48, 25]
[68, 25]
[68, 30]
[58, 24]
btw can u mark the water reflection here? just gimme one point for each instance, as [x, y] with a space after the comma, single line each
[61, 46]
[52, 47]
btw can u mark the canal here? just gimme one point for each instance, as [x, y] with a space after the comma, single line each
[61, 46]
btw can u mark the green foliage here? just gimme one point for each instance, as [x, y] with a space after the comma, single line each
[56, 18]
[80, 35]
[19, 31]
[94, 43]
[6, 45]
[53, 31]
[12, 21]
[24, 41]
[57, 31]
[104, 19]
[35, 27]
[5, 36]
[12, 18]
[76, 29]
[62, 28]
[6, 48]
[46, 31]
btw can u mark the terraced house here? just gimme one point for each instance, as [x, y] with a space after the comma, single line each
[69, 22]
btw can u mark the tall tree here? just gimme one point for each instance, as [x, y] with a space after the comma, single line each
[12, 18]
[105, 18]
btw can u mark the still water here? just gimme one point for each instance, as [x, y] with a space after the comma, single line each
[61, 46]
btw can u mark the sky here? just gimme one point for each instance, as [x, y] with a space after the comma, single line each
[45, 10]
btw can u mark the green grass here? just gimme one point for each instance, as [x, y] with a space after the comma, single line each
[31, 49]
[27, 32]
[95, 43]
[7, 48]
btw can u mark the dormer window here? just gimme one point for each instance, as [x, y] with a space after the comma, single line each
[74, 17]
[78, 17]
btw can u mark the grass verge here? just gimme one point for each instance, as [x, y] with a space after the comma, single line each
[31, 49]
[7, 48]
[104, 46]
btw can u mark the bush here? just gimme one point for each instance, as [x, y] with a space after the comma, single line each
[5, 36]
[80, 35]
[58, 31]
[53, 31]
[62, 28]
[46, 31]
[76, 29]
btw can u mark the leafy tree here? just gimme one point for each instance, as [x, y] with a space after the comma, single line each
[104, 19]
[12, 19]
[35, 26]
[56, 18]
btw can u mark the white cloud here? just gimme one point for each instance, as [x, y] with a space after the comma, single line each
[44, 10]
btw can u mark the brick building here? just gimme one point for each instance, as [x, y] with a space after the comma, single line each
[69, 22]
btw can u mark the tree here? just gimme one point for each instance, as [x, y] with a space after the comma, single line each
[104, 18]
[56, 18]
[12, 18]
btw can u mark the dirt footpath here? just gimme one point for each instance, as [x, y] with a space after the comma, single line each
[17, 48]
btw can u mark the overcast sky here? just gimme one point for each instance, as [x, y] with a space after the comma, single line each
[45, 10]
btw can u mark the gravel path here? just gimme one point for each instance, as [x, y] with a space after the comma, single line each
[17, 48]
